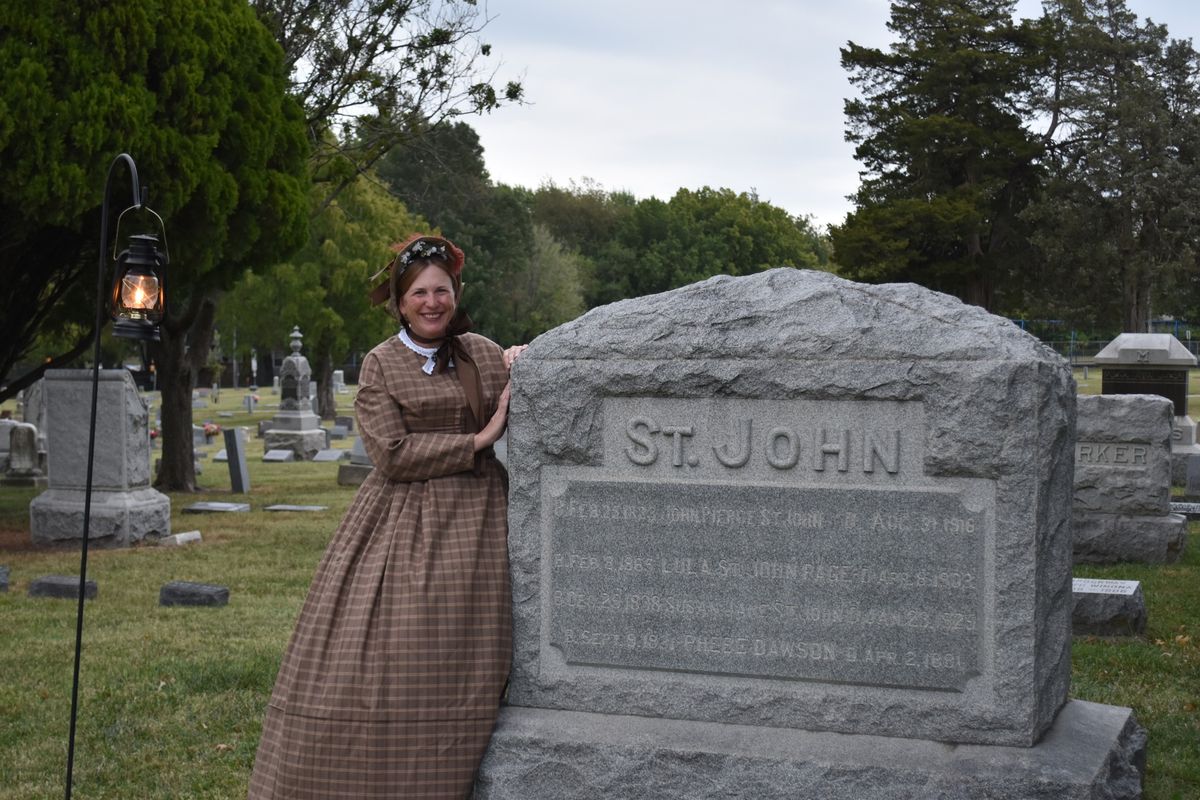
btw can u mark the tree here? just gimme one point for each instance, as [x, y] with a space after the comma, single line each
[947, 163]
[323, 288]
[379, 73]
[1119, 219]
[197, 94]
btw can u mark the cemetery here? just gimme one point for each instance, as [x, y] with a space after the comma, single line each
[205, 601]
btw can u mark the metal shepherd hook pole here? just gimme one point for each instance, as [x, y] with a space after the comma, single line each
[87, 497]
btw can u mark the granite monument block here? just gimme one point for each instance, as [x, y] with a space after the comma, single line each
[782, 507]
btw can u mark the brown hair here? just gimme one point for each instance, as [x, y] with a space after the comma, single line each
[402, 279]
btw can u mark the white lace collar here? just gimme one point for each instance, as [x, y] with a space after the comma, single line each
[430, 353]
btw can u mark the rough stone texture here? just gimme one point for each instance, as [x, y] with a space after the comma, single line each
[1113, 538]
[1123, 454]
[65, 587]
[125, 509]
[186, 593]
[982, 417]
[1093, 752]
[1108, 608]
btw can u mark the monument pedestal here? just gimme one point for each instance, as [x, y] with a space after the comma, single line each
[305, 444]
[117, 518]
[1092, 751]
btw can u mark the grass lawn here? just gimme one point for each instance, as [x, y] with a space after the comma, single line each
[171, 698]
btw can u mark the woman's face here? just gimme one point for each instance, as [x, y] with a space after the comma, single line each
[428, 305]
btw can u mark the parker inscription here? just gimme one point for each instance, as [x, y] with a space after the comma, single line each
[844, 585]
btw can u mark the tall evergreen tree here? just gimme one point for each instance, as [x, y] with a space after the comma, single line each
[947, 163]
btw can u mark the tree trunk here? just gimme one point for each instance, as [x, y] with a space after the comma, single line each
[326, 398]
[178, 367]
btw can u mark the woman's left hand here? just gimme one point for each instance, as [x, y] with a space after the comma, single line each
[510, 355]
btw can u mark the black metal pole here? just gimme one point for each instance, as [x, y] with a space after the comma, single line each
[87, 496]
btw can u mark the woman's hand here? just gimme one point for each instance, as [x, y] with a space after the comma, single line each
[510, 355]
[494, 429]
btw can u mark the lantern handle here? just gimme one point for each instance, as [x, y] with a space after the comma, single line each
[161, 226]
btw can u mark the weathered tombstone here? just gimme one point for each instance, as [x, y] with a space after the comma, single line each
[125, 508]
[338, 432]
[346, 422]
[279, 456]
[235, 452]
[216, 392]
[756, 510]
[330, 454]
[275, 385]
[1122, 489]
[188, 593]
[295, 427]
[35, 413]
[1108, 608]
[250, 403]
[180, 539]
[6, 427]
[360, 466]
[63, 587]
[23, 467]
[1154, 363]
[339, 381]
[198, 437]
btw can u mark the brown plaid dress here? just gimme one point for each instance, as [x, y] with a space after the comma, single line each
[391, 683]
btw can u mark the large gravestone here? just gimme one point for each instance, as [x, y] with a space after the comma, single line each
[1123, 481]
[1155, 363]
[295, 427]
[125, 508]
[789, 531]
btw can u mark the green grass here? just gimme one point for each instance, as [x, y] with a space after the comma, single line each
[172, 698]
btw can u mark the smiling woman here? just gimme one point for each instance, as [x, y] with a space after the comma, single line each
[392, 681]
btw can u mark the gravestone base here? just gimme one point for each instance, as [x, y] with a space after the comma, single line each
[1092, 751]
[1108, 608]
[305, 444]
[353, 474]
[117, 518]
[1113, 538]
[32, 479]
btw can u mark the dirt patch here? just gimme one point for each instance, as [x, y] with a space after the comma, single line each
[16, 541]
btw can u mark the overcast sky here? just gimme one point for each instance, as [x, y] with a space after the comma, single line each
[649, 96]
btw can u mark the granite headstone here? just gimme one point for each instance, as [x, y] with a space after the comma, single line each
[753, 513]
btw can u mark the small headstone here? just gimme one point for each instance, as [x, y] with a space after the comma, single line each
[225, 414]
[61, 586]
[186, 593]
[287, 507]
[216, 392]
[329, 455]
[339, 381]
[178, 539]
[338, 432]
[1189, 510]
[3, 578]
[279, 455]
[358, 453]
[198, 404]
[198, 437]
[23, 462]
[1192, 479]
[345, 422]
[221, 457]
[1108, 607]
[264, 425]
[250, 403]
[275, 385]
[235, 450]
[211, 506]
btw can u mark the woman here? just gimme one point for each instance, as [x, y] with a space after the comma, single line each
[392, 680]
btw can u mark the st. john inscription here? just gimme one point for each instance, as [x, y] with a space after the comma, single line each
[788, 541]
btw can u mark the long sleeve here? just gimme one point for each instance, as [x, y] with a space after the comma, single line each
[401, 454]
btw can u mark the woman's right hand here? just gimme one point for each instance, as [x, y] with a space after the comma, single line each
[494, 429]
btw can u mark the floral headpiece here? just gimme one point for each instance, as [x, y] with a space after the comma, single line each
[417, 247]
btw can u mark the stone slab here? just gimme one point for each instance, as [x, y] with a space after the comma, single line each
[180, 539]
[62, 586]
[1115, 538]
[117, 518]
[304, 444]
[1189, 510]
[1092, 752]
[330, 455]
[358, 453]
[1108, 607]
[1123, 454]
[187, 593]
[353, 474]
[288, 507]
[211, 506]
[722, 432]
[345, 422]
[338, 432]
[279, 455]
